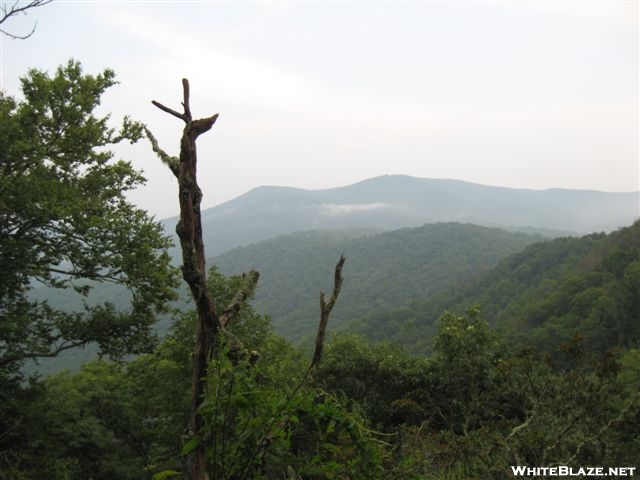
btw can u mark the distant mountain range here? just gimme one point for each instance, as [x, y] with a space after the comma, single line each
[398, 201]
[400, 259]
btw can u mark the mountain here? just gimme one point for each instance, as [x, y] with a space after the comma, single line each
[396, 201]
[382, 271]
[541, 296]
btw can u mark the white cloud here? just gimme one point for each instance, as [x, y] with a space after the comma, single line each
[337, 209]
[198, 54]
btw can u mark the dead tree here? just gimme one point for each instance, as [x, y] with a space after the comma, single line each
[325, 311]
[210, 322]
[189, 230]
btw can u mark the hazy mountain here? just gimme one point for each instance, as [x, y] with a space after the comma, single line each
[382, 271]
[392, 202]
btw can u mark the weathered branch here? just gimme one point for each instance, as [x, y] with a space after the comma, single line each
[278, 421]
[172, 162]
[204, 124]
[170, 111]
[248, 286]
[325, 311]
[185, 101]
[14, 9]
[57, 349]
[20, 37]
[603, 429]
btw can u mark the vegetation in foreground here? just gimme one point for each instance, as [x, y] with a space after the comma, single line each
[471, 409]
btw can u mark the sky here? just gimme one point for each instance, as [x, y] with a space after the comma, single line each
[523, 94]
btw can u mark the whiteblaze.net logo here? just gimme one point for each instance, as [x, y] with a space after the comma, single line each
[564, 471]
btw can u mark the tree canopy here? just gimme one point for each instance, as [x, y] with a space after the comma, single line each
[65, 222]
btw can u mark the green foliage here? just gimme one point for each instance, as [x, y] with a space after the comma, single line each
[386, 270]
[381, 378]
[127, 421]
[464, 386]
[474, 408]
[539, 297]
[257, 428]
[68, 428]
[591, 293]
[262, 417]
[65, 222]
[470, 410]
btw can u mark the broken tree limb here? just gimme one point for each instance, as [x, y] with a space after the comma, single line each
[246, 289]
[185, 101]
[170, 111]
[172, 162]
[325, 311]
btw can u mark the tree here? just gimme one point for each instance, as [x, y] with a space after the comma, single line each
[16, 8]
[189, 230]
[213, 335]
[382, 378]
[466, 353]
[65, 223]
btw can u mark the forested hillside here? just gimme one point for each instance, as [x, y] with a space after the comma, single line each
[541, 296]
[385, 270]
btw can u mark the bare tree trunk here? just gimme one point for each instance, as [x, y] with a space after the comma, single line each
[189, 230]
[325, 311]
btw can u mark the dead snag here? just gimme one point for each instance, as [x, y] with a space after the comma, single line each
[189, 230]
[325, 311]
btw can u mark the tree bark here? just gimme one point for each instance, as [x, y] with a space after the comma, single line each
[325, 311]
[189, 230]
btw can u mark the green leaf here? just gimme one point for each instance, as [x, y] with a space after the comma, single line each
[165, 474]
[190, 446]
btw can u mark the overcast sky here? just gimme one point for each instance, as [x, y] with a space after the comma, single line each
[313, 94]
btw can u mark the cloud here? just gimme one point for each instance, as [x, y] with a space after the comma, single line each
[197, 54]
[337, 209]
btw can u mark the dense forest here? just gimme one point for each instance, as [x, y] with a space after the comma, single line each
[386, 270]
[539, 297]
[487, 349]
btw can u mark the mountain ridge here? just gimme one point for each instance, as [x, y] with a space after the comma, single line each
[391, 202]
